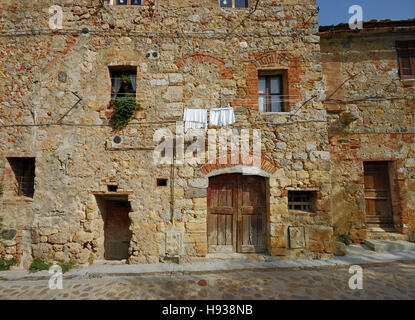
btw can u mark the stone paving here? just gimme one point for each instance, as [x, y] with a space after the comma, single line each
[392, 281]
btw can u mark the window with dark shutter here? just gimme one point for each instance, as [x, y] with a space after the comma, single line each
[406, 59]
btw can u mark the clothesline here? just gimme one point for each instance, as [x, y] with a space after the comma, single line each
[198, 118]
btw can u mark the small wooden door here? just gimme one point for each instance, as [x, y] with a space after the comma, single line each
[251, 214]
[236, 213]
[117, 230]
[378, 196]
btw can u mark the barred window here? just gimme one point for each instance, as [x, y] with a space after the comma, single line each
[24, 173]
[301, 200]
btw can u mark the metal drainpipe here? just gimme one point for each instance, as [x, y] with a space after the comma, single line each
[172, 182]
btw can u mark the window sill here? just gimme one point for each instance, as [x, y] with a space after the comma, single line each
[276, 113]
[302, 213]
[13, 199]
[408, 82]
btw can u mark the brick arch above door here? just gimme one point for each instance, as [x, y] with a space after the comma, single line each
[267, 168]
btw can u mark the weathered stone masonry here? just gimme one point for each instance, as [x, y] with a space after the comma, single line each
[205, 55]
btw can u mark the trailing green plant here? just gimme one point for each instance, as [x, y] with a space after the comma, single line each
[1, 227]
[91, 259]
[38, 265]
[345, 238]
[1, 188]
[124, 110]
[5, 264]
[68, 265]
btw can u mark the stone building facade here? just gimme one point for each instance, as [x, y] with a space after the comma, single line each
[73, 187]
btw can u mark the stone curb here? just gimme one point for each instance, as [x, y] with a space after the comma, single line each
[80, 274]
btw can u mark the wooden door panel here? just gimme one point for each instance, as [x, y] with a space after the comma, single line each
[221, 211]
[236, 213]
[117, 231]
[377, 193]
[251, 214]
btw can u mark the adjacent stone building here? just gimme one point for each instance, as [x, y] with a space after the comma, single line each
[73, 187]
[370, 101]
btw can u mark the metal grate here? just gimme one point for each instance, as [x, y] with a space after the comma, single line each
[24, 173]
[301, 200]
[25, 185]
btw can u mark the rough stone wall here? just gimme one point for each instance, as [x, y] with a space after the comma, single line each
[370, 118]
[206, 55]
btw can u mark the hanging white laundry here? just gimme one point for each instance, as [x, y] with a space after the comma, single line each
[194, 119]
[222, 116]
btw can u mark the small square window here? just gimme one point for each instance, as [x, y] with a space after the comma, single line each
[112, 188]
[161, 182]
[233, 3]
[24, 175]
[301, 200]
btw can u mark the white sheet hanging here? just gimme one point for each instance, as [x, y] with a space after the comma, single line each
[194, 119]
[222, 116]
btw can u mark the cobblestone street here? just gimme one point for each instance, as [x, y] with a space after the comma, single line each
[392, 281]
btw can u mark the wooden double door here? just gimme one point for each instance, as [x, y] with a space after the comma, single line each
[378, 196]
[236, 213]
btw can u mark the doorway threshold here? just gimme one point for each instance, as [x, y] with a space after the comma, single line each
[238, 256]
[111, 262]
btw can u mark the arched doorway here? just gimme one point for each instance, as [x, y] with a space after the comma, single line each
[236, 213]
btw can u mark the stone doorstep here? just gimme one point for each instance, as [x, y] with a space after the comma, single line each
[110, 262]
[380, 234]
[390, 246]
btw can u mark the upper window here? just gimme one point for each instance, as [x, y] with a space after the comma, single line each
[271, 92]
[123, 82]
[234, 3]
[127, 2]
[406, 59]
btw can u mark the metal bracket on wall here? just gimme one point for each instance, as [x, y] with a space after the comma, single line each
[71, 108]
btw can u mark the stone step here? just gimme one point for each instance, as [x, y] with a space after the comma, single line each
[381, 228]
[372, 219]
[381, 234]
[390, 246]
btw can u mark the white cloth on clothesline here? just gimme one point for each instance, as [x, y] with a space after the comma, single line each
[194, 119]
[222, 116]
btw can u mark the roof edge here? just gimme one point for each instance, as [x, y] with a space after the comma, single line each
[371, 25]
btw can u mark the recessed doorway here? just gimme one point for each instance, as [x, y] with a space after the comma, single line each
[117, 230]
